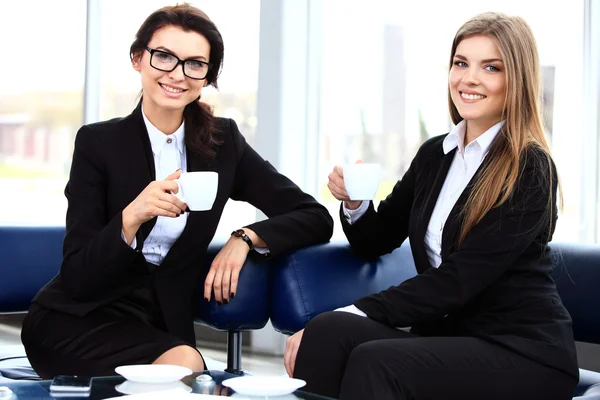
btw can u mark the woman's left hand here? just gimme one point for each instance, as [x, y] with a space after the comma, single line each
[291, 350]
[225, 269]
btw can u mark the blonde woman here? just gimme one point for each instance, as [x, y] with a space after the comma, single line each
[479, 207]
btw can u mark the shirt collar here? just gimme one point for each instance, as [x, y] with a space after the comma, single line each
[158, 139]
[456, 138]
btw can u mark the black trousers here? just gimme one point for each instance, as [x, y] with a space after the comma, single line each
[346, 356]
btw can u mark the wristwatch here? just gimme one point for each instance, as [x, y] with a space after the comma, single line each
[241, 234]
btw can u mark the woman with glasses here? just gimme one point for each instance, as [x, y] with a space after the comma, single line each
[479, 207]
[132, 254]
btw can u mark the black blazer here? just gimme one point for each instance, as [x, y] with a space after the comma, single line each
[496, 285]
[112, 164]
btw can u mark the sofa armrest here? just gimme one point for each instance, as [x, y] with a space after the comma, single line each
[323, 277]
[250, 308]
[576, 274]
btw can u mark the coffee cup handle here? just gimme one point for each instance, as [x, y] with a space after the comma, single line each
[179, 193]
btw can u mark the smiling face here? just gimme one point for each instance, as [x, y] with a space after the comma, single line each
[166, 92]
[477, 82]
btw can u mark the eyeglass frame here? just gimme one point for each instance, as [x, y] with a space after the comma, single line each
[179, 61]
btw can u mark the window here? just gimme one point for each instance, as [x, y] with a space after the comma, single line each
[41, 112]
[384, 85]
[238, 82]
[41, 107]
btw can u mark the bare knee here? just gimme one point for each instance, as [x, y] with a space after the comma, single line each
[184, 356]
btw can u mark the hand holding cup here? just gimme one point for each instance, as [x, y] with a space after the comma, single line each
[353, 183]
[197, 189]
[155, 200]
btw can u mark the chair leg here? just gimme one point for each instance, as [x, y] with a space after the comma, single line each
[234, 353]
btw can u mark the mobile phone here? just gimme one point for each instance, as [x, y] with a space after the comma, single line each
[71, 384]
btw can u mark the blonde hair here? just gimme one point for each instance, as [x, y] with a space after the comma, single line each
[522, 113]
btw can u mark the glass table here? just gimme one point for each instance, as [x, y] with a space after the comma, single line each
[108, 387]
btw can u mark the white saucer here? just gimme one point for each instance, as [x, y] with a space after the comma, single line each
[129, 387]
[168, 394]
[264, 385]
[153, 373]
[240, 396]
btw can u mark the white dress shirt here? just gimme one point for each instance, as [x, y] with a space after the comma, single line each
[465, 164]
[169, 156]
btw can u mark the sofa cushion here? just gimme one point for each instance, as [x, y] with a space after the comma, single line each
[31, 256]
[577, 276]
[321, 278]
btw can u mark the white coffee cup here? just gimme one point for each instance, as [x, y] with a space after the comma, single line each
[198, 189]
[362, 180]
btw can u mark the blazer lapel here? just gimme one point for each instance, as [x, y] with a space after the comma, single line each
[455, 218]
[194, 162]
[145, 141]
[439, 165]
[139, 127]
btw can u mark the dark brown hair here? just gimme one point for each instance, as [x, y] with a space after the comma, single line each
[200, 124]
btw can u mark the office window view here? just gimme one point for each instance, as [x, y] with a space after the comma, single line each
[382, 90]
[384, 85]
[41, 107]
[41, 113]
[238, 82]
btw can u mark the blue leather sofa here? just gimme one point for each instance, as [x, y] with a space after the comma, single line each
[324, 277]
[291, 290]
[31, 256]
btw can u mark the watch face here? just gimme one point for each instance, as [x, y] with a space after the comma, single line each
[241, 234]
[238, 233]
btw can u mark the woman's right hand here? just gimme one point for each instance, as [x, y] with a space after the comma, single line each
[155, 200]
[338, 188]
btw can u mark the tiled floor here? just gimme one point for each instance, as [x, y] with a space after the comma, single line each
[9, 335]
[255, 364]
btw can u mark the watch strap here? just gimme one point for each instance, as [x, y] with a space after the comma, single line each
[239, 233]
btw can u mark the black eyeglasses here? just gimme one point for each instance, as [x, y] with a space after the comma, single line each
[167, 62]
